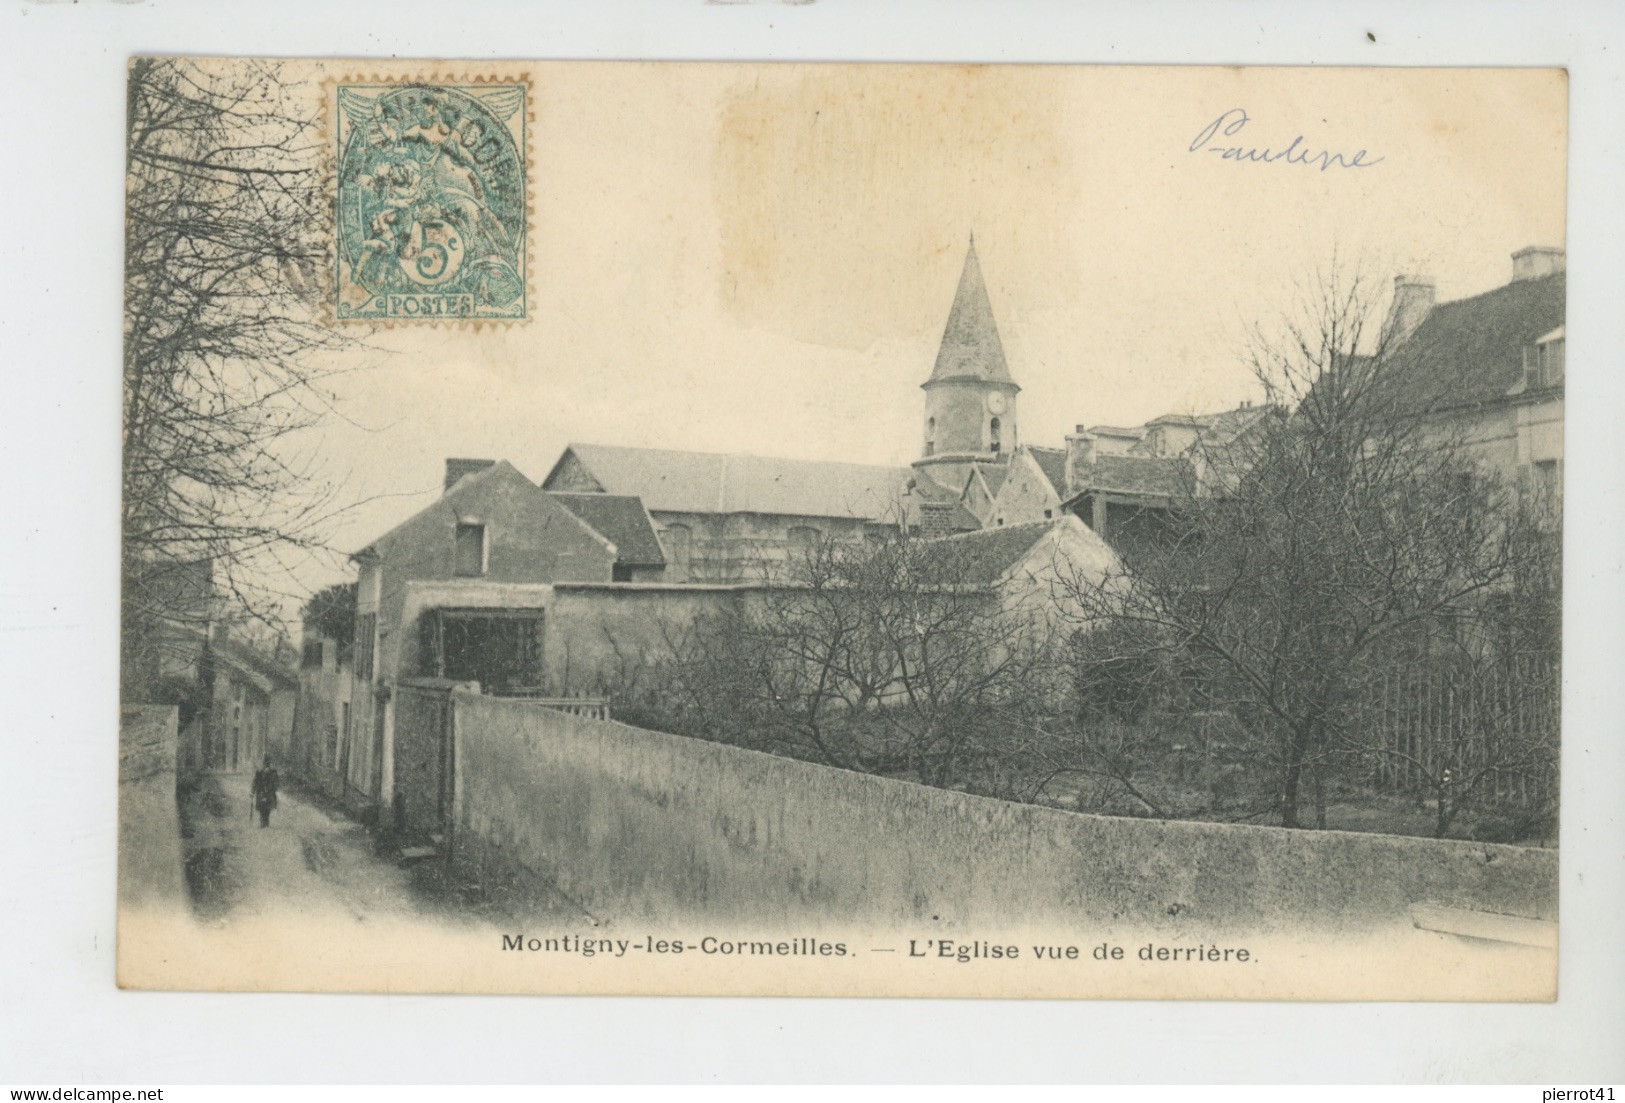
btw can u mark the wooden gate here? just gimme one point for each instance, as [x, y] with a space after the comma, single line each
[424, 760]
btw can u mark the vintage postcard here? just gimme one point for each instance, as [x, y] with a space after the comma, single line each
[828, 529]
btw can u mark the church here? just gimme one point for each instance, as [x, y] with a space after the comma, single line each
[730, 517]
[611, 513]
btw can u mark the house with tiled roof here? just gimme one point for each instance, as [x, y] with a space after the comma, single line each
[1028, 566]
[493, 525]
[491, 532]
[460, 590]
[1489, 370]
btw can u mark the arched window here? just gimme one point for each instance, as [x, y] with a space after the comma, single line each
[993, 434]
[930, 435]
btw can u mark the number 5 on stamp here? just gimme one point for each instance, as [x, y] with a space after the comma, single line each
[431, 201]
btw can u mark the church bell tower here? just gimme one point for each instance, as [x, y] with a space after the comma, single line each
[970, 399]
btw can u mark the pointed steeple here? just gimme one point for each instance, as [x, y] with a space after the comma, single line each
[970, 344]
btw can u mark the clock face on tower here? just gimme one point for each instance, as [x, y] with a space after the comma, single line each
[995, 403]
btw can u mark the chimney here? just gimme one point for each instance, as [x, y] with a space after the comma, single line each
[1413, 302]
[936, 519]
[1080, 453]
[1536, 261]
[456, 469]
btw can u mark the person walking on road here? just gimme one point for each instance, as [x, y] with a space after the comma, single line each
[264, 791]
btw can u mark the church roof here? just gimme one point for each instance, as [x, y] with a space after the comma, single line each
[709, 482]
[970, 347]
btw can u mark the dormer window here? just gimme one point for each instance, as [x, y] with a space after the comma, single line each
[1543, 362]
[468, 555]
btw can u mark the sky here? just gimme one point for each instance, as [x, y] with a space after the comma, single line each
[760, 257]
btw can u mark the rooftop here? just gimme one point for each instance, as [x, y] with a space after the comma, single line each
[708, 482]
[1052, 462]
[1160, 476]
[1471, 350]
[970, 347]
[265, 671]
[620, 519]
[980, 558]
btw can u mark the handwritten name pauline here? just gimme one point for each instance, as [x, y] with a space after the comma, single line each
[1230, 124]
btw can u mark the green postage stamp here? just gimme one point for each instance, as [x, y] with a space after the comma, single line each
[431, 201]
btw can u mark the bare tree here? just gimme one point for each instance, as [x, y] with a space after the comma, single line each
[893, 657]
[222, 343]
[1349, 532]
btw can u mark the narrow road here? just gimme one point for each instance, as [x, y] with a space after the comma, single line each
[310, 860]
